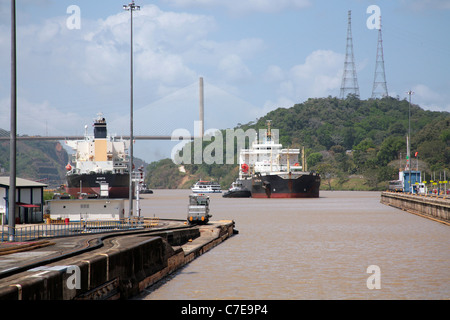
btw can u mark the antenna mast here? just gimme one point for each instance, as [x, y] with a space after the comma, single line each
[349, 83]
[380, 76]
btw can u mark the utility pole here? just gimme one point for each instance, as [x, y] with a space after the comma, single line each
[349, 82]
[13, 130]
[409, 139]
[131, 7]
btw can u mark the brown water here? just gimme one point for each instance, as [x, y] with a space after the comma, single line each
[310, 249]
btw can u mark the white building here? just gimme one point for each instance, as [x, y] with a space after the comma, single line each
[29, 200]
[86, 209]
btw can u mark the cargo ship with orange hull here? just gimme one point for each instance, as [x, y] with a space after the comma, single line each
[269, 171]
[100, 165]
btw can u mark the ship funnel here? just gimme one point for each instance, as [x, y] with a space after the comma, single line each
[100, 131]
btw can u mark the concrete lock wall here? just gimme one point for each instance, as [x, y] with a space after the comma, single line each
[118, 271]
[100, 276]
[433, 207]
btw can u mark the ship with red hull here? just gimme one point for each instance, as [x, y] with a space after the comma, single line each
[269, 171]
[100, 165]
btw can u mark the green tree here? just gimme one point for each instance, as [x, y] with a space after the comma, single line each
[163, 174]
[313, 159]
[390, 149]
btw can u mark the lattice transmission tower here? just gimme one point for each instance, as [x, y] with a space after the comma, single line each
[379, 89]
[349, 84]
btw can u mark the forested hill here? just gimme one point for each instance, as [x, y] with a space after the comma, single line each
[320, 124]
[37, 160]
[354, 144]
[365, 138]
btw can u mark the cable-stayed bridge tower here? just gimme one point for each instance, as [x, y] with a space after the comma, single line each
[349, 84]
[379, 89]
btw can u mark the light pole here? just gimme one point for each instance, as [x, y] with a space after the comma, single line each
[409, 139]
[13, 129]
[131, 7]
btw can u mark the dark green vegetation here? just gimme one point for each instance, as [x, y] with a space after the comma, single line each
[36, 160]
[354, 144]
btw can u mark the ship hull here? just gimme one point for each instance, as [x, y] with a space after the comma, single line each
[118, 184]
[284, 185]
[237, 194]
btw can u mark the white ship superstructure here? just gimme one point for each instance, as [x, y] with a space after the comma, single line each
[100, 164]
[266, 157]
[99, 152]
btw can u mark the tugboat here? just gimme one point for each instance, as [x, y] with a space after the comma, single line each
[206, 187]
[237, 190]
[198, 210]
[269, 171]
[144, 189]
[100, 164]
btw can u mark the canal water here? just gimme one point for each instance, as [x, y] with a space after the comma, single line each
[343, 245]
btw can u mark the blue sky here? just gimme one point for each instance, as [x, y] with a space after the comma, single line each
[254, 56]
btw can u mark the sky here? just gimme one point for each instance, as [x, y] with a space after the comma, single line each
[73, 60]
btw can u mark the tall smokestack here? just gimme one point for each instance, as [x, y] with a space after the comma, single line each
[202, 108]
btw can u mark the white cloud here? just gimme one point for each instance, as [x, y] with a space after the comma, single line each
[160, 39]
[426, 5]
[429, 99]
[40, 118]
[233, 68]
[319, 76]
[280, 102]
[243, 7]
[210, 52]
[273, 74]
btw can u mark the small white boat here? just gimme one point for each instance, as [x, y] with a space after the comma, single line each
[206, 187]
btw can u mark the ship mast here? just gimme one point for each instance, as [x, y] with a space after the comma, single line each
[288, 166]
[269, 133]
[269, 139]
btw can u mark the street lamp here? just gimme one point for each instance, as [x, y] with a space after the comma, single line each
[131, 7]
[409, 139]
[13, 121]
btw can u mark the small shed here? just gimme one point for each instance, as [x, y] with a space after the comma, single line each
[29, 200]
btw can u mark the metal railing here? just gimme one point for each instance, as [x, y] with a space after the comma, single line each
[61, 228]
